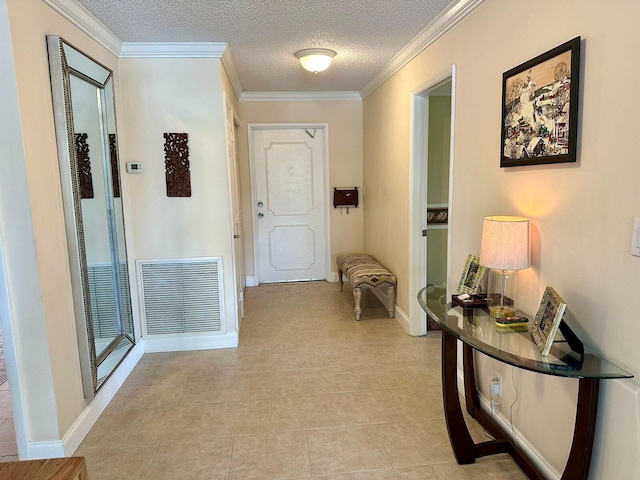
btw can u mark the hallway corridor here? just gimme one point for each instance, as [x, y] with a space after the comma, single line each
[310, 392]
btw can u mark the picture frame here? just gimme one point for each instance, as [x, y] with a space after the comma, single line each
[540, 108]
[437, 215]
[545, 325]
[471, 276]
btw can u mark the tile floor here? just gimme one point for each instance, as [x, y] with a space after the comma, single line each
[310, 392]
[8, 446]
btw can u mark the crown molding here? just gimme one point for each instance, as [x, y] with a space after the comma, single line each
[219, 50]
[98, 31]
[173, 49]
[88, 23]
[297, 96]
[438, 27]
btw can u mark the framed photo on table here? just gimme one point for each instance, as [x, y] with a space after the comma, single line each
[540, 108]
[471, 276]
[545, 325]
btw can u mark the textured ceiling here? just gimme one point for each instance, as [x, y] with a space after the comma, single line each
[263, 35]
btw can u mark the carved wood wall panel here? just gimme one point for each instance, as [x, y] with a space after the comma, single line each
[115, 170]
[84, 165]
[176, 154]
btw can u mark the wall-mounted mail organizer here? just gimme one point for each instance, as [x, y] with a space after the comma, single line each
[345, 198]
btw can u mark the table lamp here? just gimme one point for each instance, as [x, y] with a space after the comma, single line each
[505, 250]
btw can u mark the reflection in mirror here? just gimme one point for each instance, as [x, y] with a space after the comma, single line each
[84, 108]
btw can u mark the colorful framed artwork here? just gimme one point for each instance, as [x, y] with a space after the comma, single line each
[540, 108]
[545, 325]
[471, 276]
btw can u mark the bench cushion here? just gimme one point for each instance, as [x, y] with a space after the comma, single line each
[362, 269]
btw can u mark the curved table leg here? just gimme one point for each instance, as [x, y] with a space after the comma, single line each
[463, 445]
[584, 430]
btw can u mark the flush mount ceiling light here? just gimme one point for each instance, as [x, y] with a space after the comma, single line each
[315, 59]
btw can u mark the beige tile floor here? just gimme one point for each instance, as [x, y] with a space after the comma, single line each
[8, 446]
[310, 392]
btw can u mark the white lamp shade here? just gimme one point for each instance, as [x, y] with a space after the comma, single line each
[315, 59]
[505, 243]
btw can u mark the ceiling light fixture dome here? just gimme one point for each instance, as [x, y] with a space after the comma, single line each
[315, 59]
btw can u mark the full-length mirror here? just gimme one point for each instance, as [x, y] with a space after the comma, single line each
[84, 110]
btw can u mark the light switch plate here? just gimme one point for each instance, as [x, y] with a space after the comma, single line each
[635, 238]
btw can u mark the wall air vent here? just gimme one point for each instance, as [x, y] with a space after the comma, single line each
[182, 296]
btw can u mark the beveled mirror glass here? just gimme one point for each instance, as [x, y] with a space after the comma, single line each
[84, 109]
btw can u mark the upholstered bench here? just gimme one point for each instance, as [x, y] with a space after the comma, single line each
[364, 271]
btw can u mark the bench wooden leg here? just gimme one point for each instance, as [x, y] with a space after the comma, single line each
[357, 295]
[340, 278]
[391, 296]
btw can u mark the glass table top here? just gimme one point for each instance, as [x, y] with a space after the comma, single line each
[515, 347]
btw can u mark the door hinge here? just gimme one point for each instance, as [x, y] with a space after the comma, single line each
[424, 232]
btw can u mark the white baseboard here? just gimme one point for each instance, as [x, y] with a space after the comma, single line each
[51, 449]
[333, 277]
[76, 433]
[189, 342]
[547, 470]
[403, 319]
[70, 442]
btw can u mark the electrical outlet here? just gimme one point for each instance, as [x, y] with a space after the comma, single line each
[498, 375]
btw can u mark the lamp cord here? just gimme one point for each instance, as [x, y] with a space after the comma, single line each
[515, 386]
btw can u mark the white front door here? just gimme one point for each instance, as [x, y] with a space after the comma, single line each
[290, 203]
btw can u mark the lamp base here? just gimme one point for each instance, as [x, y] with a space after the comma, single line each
[501, 293]
[501, 311]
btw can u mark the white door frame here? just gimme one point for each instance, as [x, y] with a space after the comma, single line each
[251, 127]
[238, 296]
[14, 180]
[418, 192]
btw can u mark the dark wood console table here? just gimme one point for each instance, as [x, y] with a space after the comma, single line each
[477, 331]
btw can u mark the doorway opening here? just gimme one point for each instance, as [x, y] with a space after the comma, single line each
[432, 134]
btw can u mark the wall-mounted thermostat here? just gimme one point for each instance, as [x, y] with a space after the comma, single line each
[134, 167]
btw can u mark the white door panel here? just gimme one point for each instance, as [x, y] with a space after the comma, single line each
[291, 247]
[289, 189]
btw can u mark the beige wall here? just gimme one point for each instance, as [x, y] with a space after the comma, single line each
[30, 21]
[345, 163]
[581, 213]
[178, 95]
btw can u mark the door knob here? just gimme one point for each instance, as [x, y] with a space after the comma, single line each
[260, 215]
[260, 204]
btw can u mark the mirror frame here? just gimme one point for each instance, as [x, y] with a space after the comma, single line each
[60, 72]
